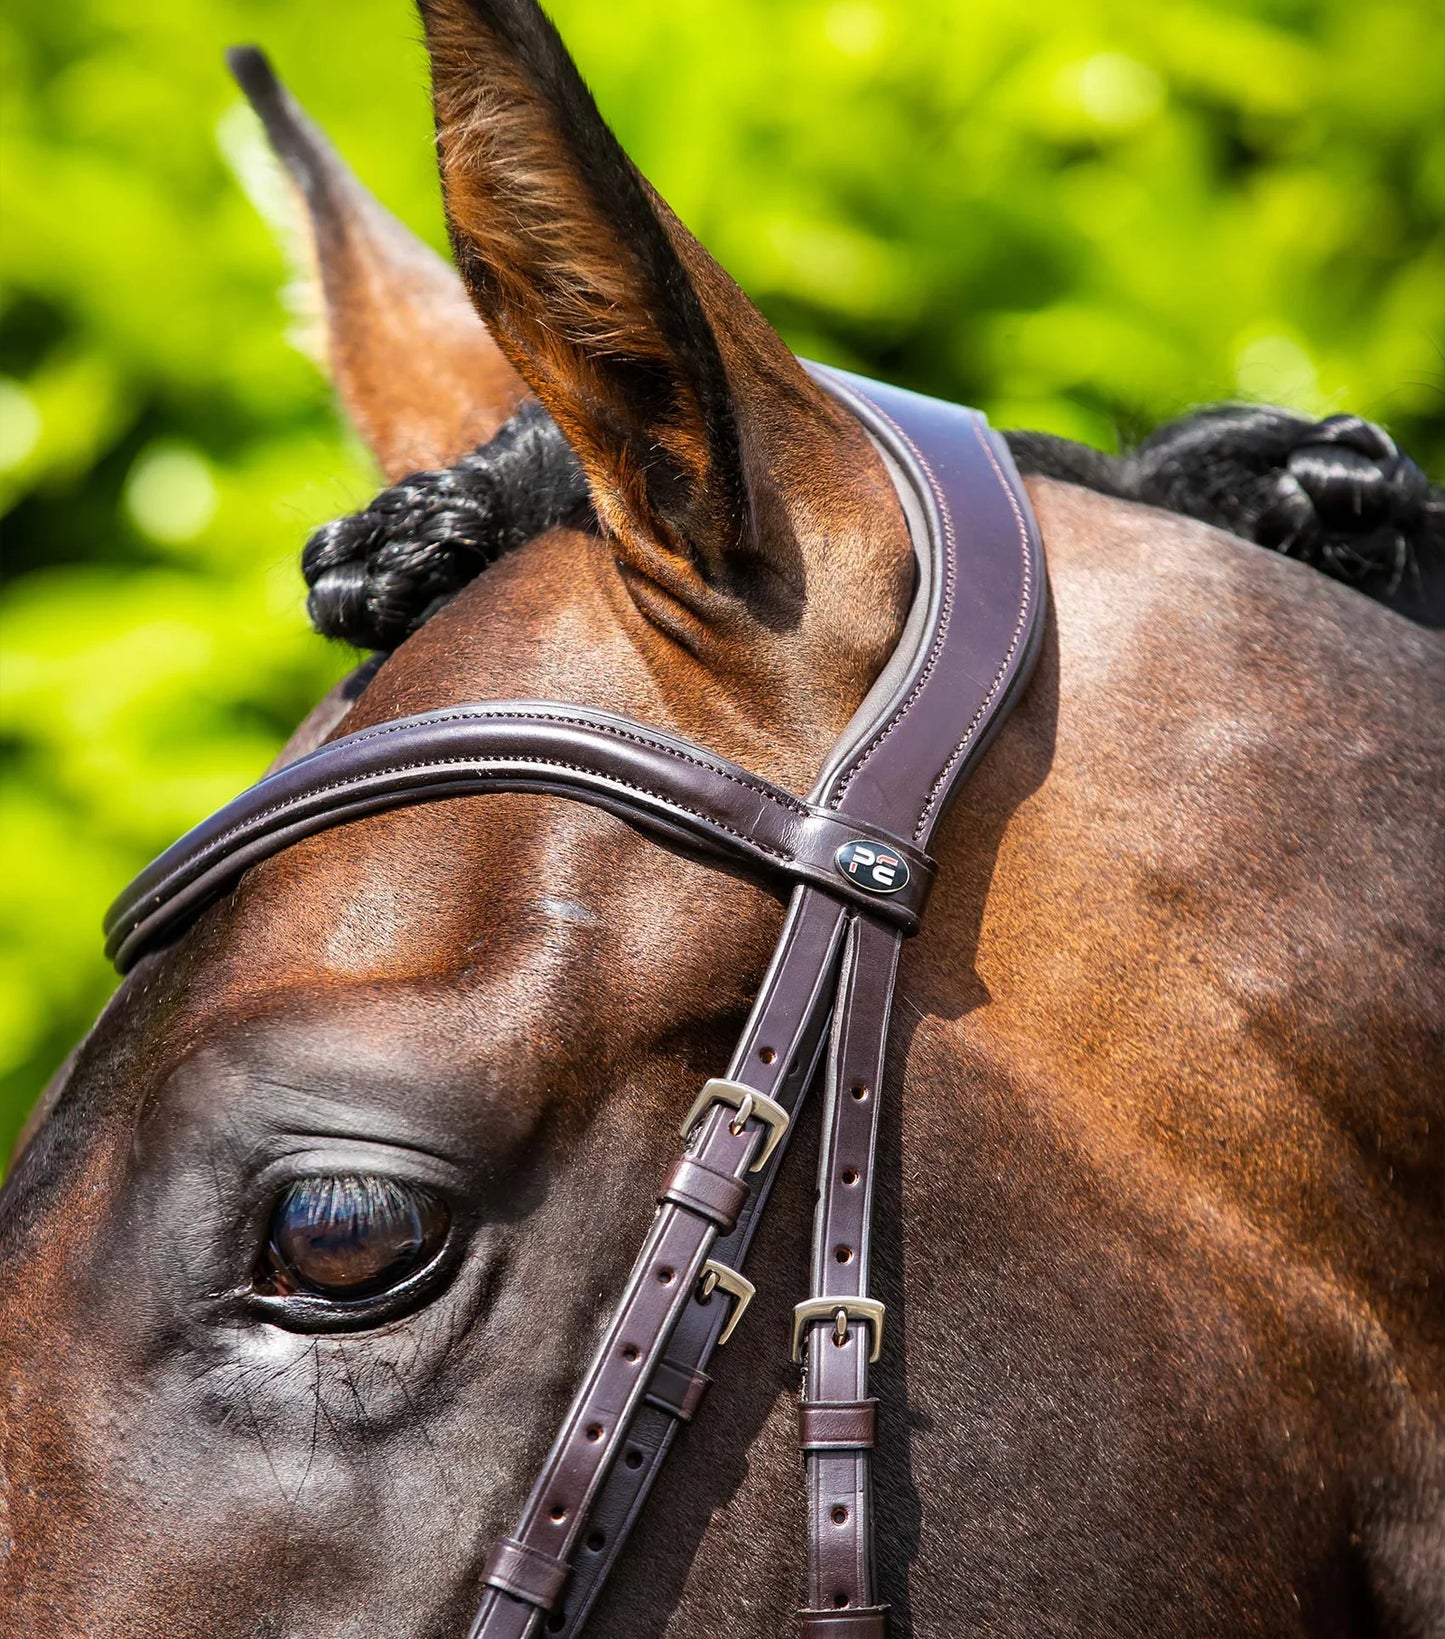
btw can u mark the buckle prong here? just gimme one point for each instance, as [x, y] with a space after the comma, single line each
[866, 1311]
[750, 1105]
[738, 1287]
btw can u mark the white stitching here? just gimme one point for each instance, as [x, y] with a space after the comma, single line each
[196, 865]
[472, 715]
[275, 810]
[945, 617]
[936, 790]
[945, 610]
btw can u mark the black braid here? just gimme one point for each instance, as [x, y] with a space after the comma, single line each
[1336, 493]
[377, 575]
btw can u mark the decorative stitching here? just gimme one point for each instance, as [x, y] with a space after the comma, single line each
[256, 826]
[195, 866]
[467, 714]
[945, 613]
[249, 826]
[1026, 603]
[944, 619]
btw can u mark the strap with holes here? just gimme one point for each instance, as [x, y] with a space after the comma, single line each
[985, 626]
[784, 1038]
[855, 856]
[838, 1330]
[606, 1425]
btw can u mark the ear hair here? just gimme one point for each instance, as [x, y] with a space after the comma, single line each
[415, 367]
[571, 259]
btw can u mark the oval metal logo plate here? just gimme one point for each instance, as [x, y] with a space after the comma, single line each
[875, 869]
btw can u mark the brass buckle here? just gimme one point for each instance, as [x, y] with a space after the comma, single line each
[840, 1311]
[738, 1287]
[750, 1104]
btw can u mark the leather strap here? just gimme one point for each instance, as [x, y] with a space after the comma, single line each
[716, 1195]
[837, 1425]
[676, 791]
[794, 1005]
[966, 652]
[982, 629]
[783, 1028]
[677, 1389]
[839, 1343]
[855, 1624]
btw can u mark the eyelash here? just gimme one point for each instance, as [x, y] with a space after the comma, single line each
[315, 1226]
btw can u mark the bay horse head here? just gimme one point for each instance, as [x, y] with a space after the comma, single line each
[1135, 1204]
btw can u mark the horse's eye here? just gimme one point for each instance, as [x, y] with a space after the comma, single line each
[349, 1236]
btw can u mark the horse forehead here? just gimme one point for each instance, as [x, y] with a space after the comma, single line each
[511, 929]
[549, 621]
[389, 1067]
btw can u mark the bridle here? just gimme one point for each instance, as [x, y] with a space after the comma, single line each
[856, 853]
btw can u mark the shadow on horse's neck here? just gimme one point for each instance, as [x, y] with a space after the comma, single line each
[939, 966]
[736, 1448]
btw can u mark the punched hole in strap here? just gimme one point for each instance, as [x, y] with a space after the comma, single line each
[840, 1313]
[750, 1104]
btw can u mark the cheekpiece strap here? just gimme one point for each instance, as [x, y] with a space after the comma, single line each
[855, 856]
[982, 589]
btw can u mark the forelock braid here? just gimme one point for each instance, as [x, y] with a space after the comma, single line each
[377, 575]
[1336, 493]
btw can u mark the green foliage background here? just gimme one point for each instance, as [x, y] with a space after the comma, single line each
[1082, 215]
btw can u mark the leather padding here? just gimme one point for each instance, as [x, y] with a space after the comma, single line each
[674, 790]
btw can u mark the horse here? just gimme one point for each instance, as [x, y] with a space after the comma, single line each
[1160, 1172]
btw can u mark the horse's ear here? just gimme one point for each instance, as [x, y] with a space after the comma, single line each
[416, 369]
[625, 328]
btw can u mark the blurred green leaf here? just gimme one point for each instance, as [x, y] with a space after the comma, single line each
[1081, 217]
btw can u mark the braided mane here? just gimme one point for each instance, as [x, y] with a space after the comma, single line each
[1336, 494]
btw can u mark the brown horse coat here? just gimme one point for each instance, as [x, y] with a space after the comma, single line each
[1160, 1216]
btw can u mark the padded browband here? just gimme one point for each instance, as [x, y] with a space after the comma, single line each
[856, 855]
[975, 645]
[671, 788]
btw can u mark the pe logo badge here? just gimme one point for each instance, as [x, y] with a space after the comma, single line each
[870, 867]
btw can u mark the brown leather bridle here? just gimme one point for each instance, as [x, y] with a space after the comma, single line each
[856, 853]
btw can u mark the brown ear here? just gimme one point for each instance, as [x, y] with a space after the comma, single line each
[416, 369]
[575, 266]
